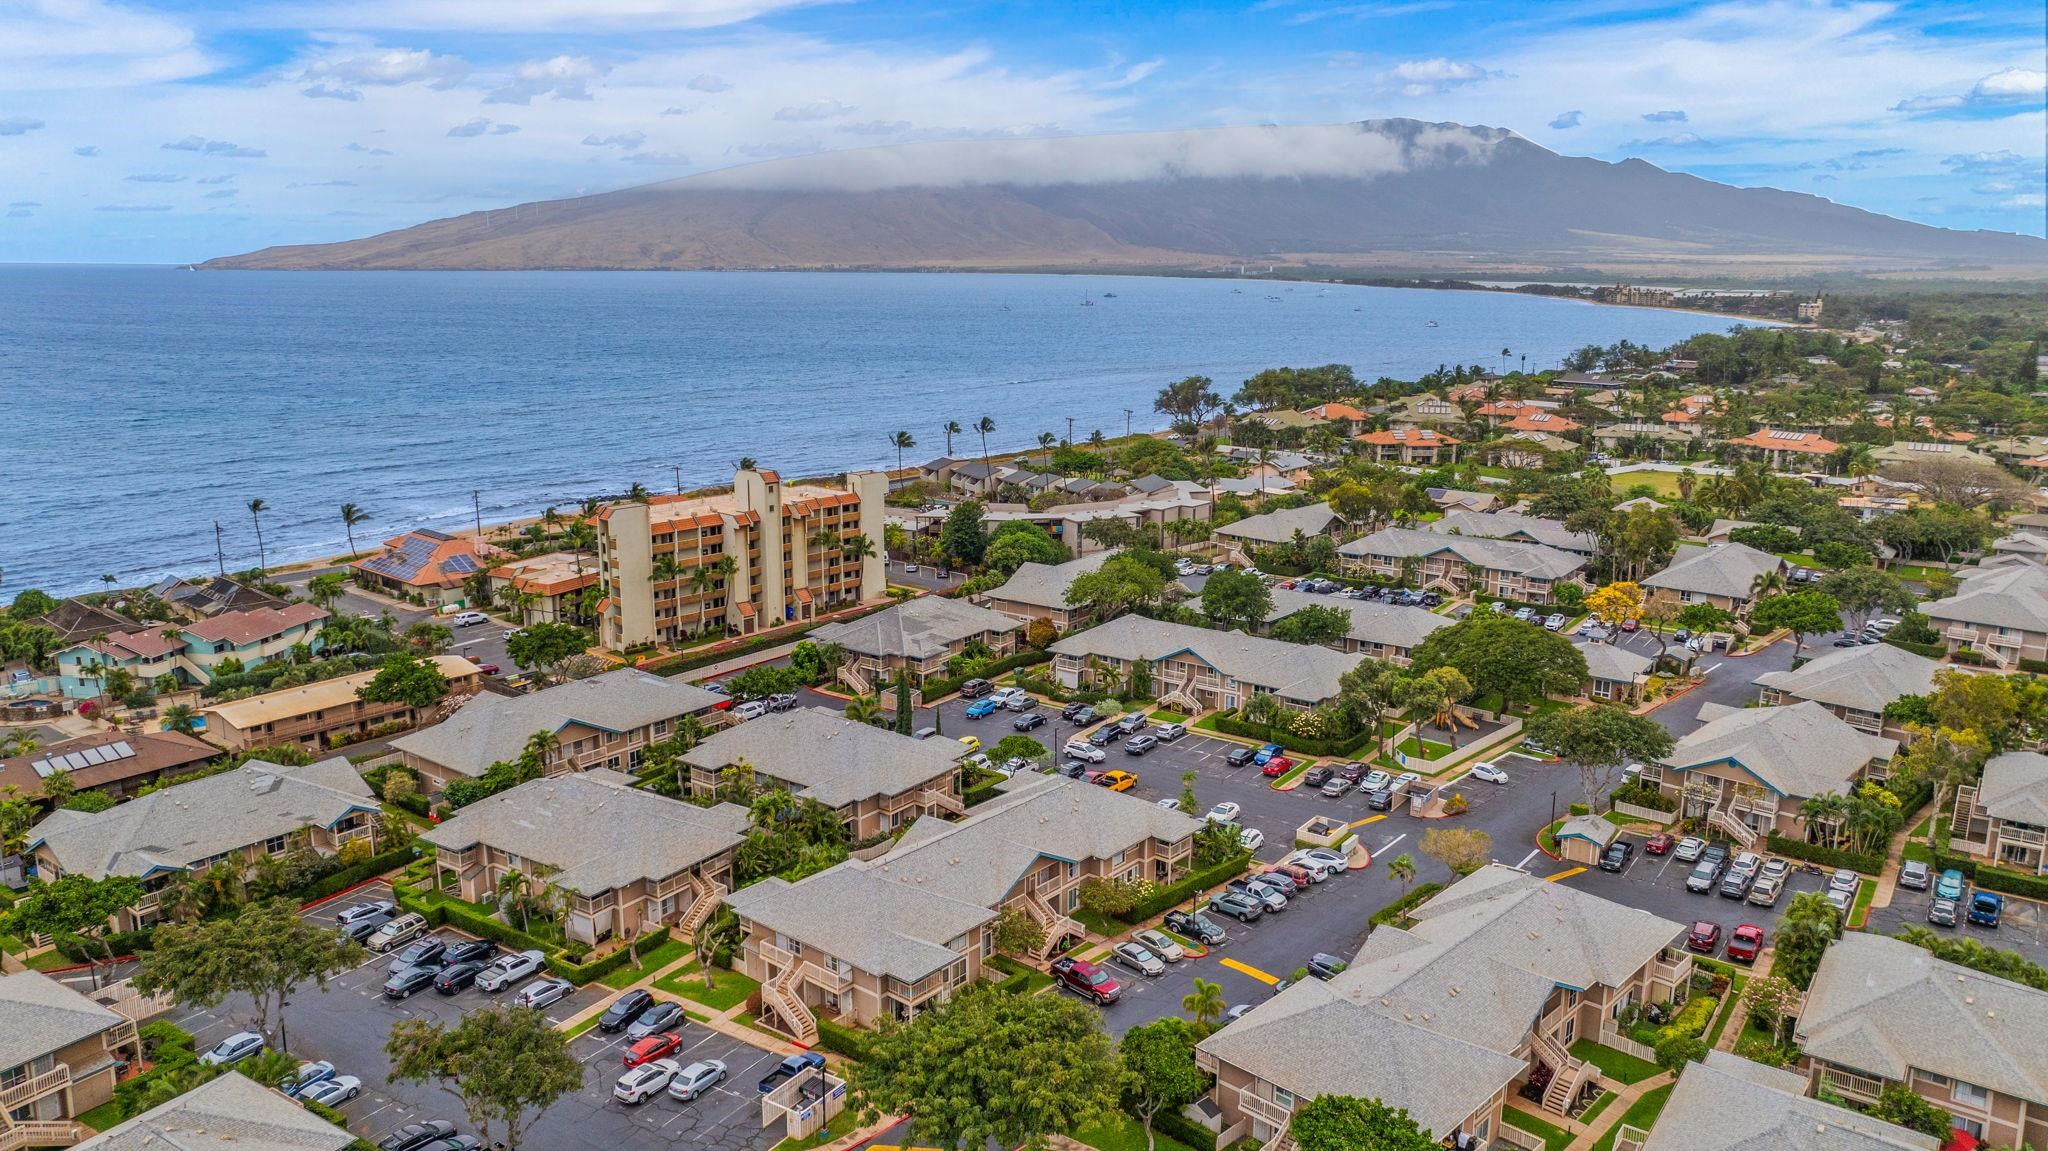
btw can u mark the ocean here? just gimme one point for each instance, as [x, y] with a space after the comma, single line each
[156, 402]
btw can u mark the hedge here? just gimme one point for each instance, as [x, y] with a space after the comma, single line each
[937, 688]
[596, 969]
[845, 1041]
[2037, 666]
[325, 1112]
[1174, 1125]
[1643, 795]
[2010, 882]
[356, 873]
[677, 665]
[1396, 911]
[1930, 650]
[443, 912]
[981, 793]
[1867, 862]
[1967, 655]
[1325, 748]
[78, 949]
[1172, 896]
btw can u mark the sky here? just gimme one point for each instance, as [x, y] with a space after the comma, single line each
[172, 132]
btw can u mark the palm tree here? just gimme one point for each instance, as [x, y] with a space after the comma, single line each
[256, 510]
[665, 570]
[865, 709]
[514, 889]
[183, 899]
[351, 515]
[1766, 583]
[109, 580]
[746, 463]
[637, 493]
[702, 579]
[541, 745]
[180, 717]
[1095, 438]
[1401, 869]
[902, 442]
[1205, 1002]
[1046, 440]
[857, 548]
[984, 425]
[951, 429]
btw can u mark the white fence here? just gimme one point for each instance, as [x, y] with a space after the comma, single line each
[1647, 814]
[1609, 1037]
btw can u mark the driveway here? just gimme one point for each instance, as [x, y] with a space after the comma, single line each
[1730, 679]
[2023, 927]
[1656, 884]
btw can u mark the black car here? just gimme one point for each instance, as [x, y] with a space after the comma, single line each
[628, 1008]
[407, 980]
[415, 1135]
[1027, 721]
[1432, 599]
[1617, 855]
[1101, 736]
[420, 953]
[1325, 967]
[1073, 709]
[1381, 800]
[470, 951]
[1316, 777]
[457, 976]
[664, 1016]
[1084, 717]
[1239, 756]
[1194, 925]
[975, 688]
[454, 1143]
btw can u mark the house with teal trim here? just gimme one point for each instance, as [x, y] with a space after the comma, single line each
[192, 652]
[1748, 771]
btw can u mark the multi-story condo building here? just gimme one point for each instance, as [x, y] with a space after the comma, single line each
[190, 652]
[1748, 771]
[887, 937]
[664, 570]
[1381, 630]
[114, 762]
[1517, 527]
[877, 780]
[1855, 683]
[1487, 990]
[227, 1111]
[1461, 564]
[1723, 575]
[59, 1056]
[1411, 445]
[1038, 591]
[328, 712]
[2000, 610]
[548, 588]
[1882, 1011]
[1727, 1103]
[1197, 668]
[2003, 817]
[1270, 528]
[916, 637]
[629, 859]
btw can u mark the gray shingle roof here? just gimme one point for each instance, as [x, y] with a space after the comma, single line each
[1371, 622]
[1731, 1104]
[228, 1113]
[1537, 561]
[40, 1016]
[602, 832]
[1863, 678]
[2011, 595]
[1589, 827]
[1293, 671]
[1799, 751]
[1881, 1005]
[828, 757]
[1045, 585]
[1515, 526]
[1279, 527]
[1726, 570]
[180, 825]
[919, 628]
[1612, 662]
[867, 919]
[2015, 787]
[1429, 1019]
[491, 728]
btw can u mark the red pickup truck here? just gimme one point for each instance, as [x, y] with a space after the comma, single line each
[1087, 980]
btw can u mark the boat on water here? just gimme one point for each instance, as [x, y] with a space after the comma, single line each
[1431, 324]
[1109, 295]
[1087, 303]
[1275, 299]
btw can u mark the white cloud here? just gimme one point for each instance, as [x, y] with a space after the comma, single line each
[390, 68]
[2027, 200]
[1566, 120]
[495, 16]
[706, 82]
[214, 148]
[1679, 140]
[1668, 116]
[815, 110]
[154, 178]
[326, 91]
[568, 77]
[18, 125]
[67, 44]
[1985, 163]
[2021, 89]
[625, 140]
[1423, 77]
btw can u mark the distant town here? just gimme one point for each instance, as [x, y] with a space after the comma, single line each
[1644, 753]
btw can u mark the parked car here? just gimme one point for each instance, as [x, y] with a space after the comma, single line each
[1704, 937]
[332, 1092]
[1525, 614]
[1139, 958]
[1132, 723]
[973, 688]
[1301, 876]
[1554, 621]
[625, 1011]
[1020, 702]
[1279, 881]
[407, 981]
[398, 932]
[656, 1046]
[1028, 721]
[1268, 897]
[782, 701]
[469, 951]
[1336, 787]
[1266, 753]
[1942, 913]
[1251, 839]
[1617, 856]
[1844, 880]
[1194, 925]
[970, 742]
[790, 1068]
[1689, 848]
[429, 953]
[454, 1143]
[456, 976]
[1237, 905]
[1160, 944]
[641, 1083]
[1659, 844]
[1735, 885]
[470, 619]
[543, 991]
[752, 709]
[1083, 751]
[1488, 772]
[413, 1136]
[1225, 812]
[1986, 908]
[1003, 695]
[1087, 980]
[1240, 756]
[307, 1073]
[357, 912]
[1704, 875]
[1325, 966]
[362, 929]
[1745, 943]
[506, 970]
[1140, 744]
[1766, 890]
[664, 1015]
[1277, 766]
[1915, 875]
[1073, 709]
[1168, 732]
[1355, 772]
[1950, 885]
[696, 1080]
[1117, 780]
[980, 708]
[1324, 856]
[1380, 799]
[1317, 776]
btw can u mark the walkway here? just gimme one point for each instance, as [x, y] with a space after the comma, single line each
[1612, 1116]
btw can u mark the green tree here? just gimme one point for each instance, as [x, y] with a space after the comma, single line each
[1017, 543]
[1462, 849]
[1205, 1003]
[991, 1066]
[413, 680]
[1017, 933]
[1902, 1105]
[902, 442]
[1983, 704]
[1864, 590]
[1120, 584]
[1237, 597]
[984, 426]
[1314, 624]
[256, 509]
[1676, 1051]
[1346, 1123]
[1500, 654]
[1188, 804]
[76, 905]
[1809, 925]
[1601, 741]
[1159, 1060]
[1190, 402]
[543, 646]
[429, 638]
[962, 536]
[1802, 613]
[763, 680]
[508, 1064]
[266, 950]
[324, 589]
[1946, 757]
[1367, 694]
[351, 516]
[1401, 869]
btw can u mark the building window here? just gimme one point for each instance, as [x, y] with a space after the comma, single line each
[1684, 597]
[1283, 1098]
[273, 845]
[1970, 1094]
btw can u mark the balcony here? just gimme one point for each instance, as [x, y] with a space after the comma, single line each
[35, 1087]
[1961, 634]
[1856, 1088]
[1672, 966]
[1265, 1110]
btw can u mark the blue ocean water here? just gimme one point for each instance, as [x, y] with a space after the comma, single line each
[152, 403]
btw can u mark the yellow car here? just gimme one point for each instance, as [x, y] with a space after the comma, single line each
[972, 743]
[1117, 780]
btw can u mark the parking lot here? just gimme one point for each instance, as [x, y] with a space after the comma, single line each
[1656, 884]
[2020, 926]
[348, 1022]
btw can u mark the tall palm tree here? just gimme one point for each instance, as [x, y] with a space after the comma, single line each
[180, 717]
[702, 579]
[256, 510]
[351, 515]
[902, 442]
[542, 744]
[951, 429]
[857, 547]
[515, 889]
[984, 425]
[1766, 583]
[1046, 440]
[1401, 869]
[637, 493]
[1205, 1002]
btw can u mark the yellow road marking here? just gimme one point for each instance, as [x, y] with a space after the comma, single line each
[1565, 874]
[1366, 820]
[1248, 969]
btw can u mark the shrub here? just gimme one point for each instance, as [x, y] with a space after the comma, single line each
[1677, 1051]
[2010, 882]
[1398, 910]
[1867, 862]
[1580, 809]
[1643, 795]
[81, 950]
[1930, 650]
[1164, 898]
[349, 876]
[844, 1040]
[1176, 1126]
[1691, 1020]
[2036, 666]
[325, 1112]
[1329, 748]
[596, 969]
[1970, 656]
[937, 687]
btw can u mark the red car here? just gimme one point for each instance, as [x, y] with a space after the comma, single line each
[1276, 766]
[1704, 937]
[1658, 844]
[652, 1048]
[1746, 943]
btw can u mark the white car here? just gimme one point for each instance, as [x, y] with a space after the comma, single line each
[752, 709]
[1225, 812]
[696, 1080]
[1003, 695]
[543, 991]
[506, 970]
[1251, 839]
[1488, 772]
[1844, 880]
[1323, 856]
[232, 1050]
[1084, 751]
[641, 1083]
[469, 619]
[1161, 944]
[1375, 781]
[1688, 849]
[1168, 804]
[333, 1092]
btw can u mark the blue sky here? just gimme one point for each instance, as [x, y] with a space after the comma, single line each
[171, 132]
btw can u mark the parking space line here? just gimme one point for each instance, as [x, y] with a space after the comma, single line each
[1533, 853]
[1566, 874]
[1248, 969]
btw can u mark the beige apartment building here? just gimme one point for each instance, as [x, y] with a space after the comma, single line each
[1748, 771]
[887, 937]
[916, 637]
[1723, 575]
[2000, 610]
[1038, 591]
[2003, 817]
[629, 859]
[787, 544]
[59, 1056]
[1457, 565]
[1197, 668]
[546, 588]
[876, 779]
[1855, 684]
[329, 713]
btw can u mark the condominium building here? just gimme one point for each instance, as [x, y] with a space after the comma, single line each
[1199, 669]
[877, 780]
[1038, 591]
[190, 652]
[663, 561]
[1723, 575]
[225, 1112]
[2003, 817]
[328, 713]
[549, 588]
[1748, 771]
[115, 762]
[1727, 1103]
[60, 1053]
[917, 638]
[1458, 564]
[1855, 683]
[2000, 609]
[1381, 630]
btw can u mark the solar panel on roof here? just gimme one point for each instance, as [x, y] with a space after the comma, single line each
[43, 767]
[94, 755]
[121, 749]
[75, 761]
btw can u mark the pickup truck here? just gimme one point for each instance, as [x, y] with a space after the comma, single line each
[1087, 980]
[790, 1068]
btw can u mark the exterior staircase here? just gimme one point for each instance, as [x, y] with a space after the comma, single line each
[1567, 1076]
[709, 896]
[16, 1134]
[1737, 830]
[1056, 926]
[781, 996]
[1180, 700]
[855, 680]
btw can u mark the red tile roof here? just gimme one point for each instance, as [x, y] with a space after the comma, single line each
[1771, 439]
[1411, 437]
[244, 627]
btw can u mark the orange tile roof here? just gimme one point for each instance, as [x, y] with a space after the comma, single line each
[1413, 437]
[1680, 417]
[2036, 462]
[1771, 439]
[1508, 408]
[803, 595]
[1335, 411]
[1543, 422]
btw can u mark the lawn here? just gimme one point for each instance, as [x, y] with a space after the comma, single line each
[728, 989]
[1554, 1138]
[1865, 892]
[1547, 838]
[1124, 1134]
[1165, 716]
[102, 1117]
[835, 1129]
[1730, 1005]
[1599, 1105]
[650, 962]
[1640, 1114]
[1616, 1065]
[48, 960]
[1664, 484]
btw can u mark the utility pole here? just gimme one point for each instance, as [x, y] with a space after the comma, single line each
[679, 479]
[220, 556]
[1127, 423]
[476, 500]
[1070, 429]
